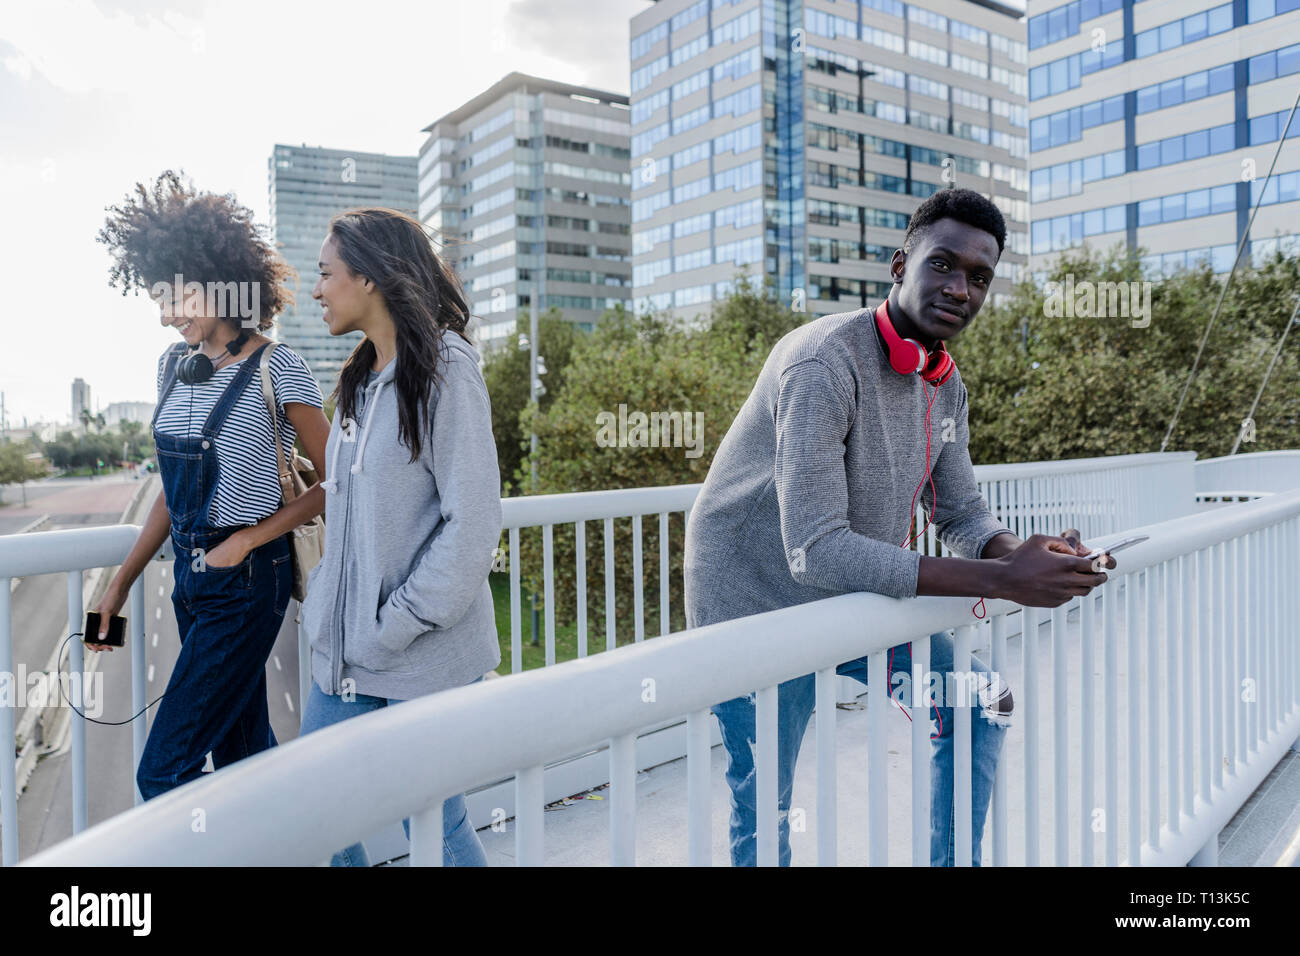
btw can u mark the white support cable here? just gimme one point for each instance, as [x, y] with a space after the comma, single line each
[1250, 417]
[1241, 243]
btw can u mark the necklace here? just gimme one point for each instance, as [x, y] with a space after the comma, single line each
[220, 358]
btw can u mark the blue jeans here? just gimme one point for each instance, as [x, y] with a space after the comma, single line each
[215, 701]
[795, 700]
[460, 844]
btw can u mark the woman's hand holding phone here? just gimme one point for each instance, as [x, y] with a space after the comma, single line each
[107, 607]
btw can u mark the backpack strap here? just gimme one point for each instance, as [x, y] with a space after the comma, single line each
[169, 378]
[268, 396]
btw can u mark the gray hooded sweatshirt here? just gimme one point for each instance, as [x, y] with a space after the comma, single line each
[400, 604]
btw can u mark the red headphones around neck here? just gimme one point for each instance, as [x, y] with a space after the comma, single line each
[908, 355]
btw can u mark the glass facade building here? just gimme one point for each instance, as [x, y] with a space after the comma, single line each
[308, 185]
[528, 187]
[793, 138]
[1153, 123]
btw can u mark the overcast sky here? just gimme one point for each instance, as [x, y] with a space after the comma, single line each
[97, 95]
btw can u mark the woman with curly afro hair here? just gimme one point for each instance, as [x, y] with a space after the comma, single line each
[219, 284]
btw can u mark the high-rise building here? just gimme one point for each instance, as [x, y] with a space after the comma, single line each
[308, 186]
[1152, 124]
[80, 399]
[528, 185]
[793, 138]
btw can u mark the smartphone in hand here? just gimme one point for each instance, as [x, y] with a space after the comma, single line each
[1097, 555]
[116, 636]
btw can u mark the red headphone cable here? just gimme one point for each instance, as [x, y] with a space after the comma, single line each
[934, 500]
[915, 537]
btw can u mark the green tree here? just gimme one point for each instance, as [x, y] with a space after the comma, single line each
[505, 372]
[701, 371]
[1045, 386]
[20, 462]
[139, 442]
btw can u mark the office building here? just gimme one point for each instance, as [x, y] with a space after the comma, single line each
[528, 185]
[308, 186]
[80, 400]
[1153, 123]
[793, 138]
[115, 412]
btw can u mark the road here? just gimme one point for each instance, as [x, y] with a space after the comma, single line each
[95, 501]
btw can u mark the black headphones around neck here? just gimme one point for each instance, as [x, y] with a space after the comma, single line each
[195, 368]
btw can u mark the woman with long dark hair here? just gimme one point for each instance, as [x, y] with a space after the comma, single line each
[400, 604]
[219, 284]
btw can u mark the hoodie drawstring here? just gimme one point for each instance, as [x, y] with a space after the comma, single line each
[331, 485]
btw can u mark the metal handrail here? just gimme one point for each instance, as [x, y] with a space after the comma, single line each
[301, 801]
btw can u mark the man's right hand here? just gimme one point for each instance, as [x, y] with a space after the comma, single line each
[109, 605]
[1045, 571]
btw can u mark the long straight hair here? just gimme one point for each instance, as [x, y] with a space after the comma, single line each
[423, 297]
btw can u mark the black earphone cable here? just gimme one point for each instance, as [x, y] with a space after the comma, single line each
[59, 681]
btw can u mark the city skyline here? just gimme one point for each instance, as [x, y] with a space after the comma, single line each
[99, 97]
[115, 56]
[118, 365]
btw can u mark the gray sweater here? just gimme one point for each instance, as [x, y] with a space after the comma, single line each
[809, 493]
[400, 602]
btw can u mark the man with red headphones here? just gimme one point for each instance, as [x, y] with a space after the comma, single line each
[812, 490]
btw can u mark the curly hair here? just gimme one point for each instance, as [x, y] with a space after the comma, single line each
[964, 205]
[169, 228]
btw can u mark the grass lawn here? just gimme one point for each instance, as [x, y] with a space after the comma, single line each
[566, 635]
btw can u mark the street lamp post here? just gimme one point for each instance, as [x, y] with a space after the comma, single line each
[536, 368]
[532, 438]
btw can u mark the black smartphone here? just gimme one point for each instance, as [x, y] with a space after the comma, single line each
[116, 635]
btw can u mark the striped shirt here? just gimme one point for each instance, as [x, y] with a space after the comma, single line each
[248, 485]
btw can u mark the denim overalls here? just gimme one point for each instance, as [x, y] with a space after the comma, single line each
[227, 617]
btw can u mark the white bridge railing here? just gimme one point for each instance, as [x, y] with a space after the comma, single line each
[1099, 496]
[1261, 472]
[1205, 613]
[70, 552]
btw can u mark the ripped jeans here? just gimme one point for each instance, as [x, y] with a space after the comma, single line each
[795, 700]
